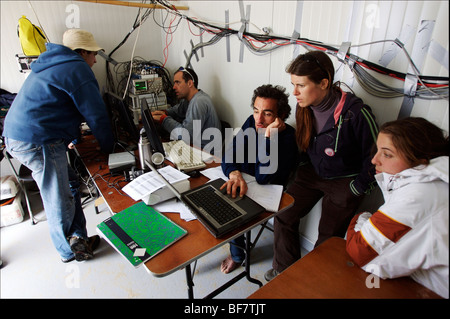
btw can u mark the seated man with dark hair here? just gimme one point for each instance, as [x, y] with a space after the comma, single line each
[194, 105]
[270, 108]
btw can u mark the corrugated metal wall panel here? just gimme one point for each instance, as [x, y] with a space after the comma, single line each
[363, 22]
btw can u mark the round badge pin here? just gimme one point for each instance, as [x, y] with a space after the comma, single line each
[329, 151]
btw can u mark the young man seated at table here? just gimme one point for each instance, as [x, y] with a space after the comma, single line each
[270, 110]
[194, 105]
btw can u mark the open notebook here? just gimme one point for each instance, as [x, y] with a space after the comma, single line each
[140, 232]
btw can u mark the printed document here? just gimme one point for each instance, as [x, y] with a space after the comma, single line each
[149, 182]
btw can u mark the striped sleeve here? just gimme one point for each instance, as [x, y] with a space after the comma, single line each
[378, 233]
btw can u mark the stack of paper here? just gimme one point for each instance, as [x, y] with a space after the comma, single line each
[150, 182]
[175, 206]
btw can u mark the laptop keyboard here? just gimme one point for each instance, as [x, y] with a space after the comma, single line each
[214, 205]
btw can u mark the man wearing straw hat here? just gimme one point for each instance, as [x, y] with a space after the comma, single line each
[59, 94]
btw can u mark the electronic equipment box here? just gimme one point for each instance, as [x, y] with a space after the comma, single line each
[154, 102]
[146, 84]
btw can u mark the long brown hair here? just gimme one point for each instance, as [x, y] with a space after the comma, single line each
[417, 139]
[316, 65]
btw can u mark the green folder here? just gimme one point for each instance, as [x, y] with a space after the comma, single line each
[140, 232]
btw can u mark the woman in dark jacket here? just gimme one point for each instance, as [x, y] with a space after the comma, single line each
[335, 133]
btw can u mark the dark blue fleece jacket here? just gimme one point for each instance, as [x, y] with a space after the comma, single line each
[343, 147]
[251, 163]
[59, 94]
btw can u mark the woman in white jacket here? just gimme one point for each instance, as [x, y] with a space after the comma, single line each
[408, 235]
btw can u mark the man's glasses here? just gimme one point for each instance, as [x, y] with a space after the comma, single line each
[184, 70]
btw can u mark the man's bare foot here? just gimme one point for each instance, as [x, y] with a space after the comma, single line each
[228, 265]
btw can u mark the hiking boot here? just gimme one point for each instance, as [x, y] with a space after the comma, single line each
[68, 260]
[81, 248]
[93, 242]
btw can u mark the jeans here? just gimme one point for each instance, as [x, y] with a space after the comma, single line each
[58, 186]
[237, 253]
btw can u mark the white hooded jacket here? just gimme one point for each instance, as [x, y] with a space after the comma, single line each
[408, 235]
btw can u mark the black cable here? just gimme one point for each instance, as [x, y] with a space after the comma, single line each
[429, 87]
[139, 20]
[434, 86]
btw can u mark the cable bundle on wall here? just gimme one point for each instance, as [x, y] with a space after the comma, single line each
[118, 78]
[428, 87]
[122, 70]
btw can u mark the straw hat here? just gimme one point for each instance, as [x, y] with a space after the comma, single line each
[80, 39]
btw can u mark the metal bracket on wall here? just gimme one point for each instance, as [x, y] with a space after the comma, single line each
[195, 52]
[297, 27]
[420, 50]
[395, 47]
[188, 63]
[245, 18]
[227, 25]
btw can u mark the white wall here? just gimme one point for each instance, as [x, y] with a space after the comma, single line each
[331, 22]
[109, 25]
[230, 84]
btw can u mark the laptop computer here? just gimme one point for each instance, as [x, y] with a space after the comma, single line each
[216, 210]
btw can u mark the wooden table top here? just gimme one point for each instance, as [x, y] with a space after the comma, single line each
[197, 243]
[328, 272]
